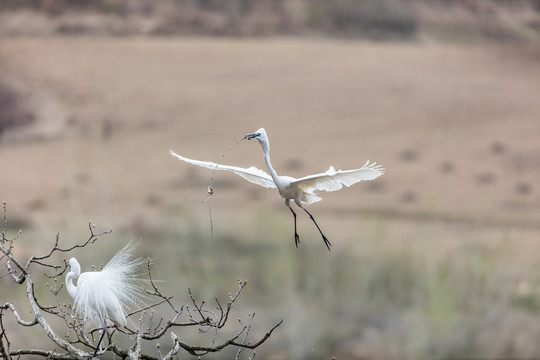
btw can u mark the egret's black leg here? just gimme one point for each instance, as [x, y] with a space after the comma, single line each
[326, 241]
[296, 237]
[99, 342]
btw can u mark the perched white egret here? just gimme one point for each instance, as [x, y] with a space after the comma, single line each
[106, 295]
[303, 190]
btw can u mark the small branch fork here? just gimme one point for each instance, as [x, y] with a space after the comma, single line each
[76, 343]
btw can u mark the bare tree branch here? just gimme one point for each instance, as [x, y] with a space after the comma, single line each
[78, 343]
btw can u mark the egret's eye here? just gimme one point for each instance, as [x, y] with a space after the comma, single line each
[258, 134]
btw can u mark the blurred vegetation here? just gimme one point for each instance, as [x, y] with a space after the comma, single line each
[373, 19]
[380, 302]
[13, 110]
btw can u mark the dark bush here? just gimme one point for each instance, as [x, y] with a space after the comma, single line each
[13, 111]
[366, 18]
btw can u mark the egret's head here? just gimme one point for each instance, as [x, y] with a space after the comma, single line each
[259, 135]
[74, 266]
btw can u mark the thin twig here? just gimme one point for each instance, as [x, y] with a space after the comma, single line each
[248, 329]
[5, 221]
[4, 349]
[149, 307]
[211, 190]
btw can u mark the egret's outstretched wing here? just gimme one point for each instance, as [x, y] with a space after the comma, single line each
[251, 174]
[333, 179]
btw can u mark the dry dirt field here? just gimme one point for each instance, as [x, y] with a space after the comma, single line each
[456, 126]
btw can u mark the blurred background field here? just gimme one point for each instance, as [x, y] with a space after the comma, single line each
[437, 259]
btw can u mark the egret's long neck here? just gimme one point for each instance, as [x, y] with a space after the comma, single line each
[71, 288]
[266, 150]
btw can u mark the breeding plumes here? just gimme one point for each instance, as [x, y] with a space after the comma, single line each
[301, 191]
[105, 295]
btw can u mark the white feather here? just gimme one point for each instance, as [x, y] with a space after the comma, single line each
[251, 174]
[333, 180]
[107, 294]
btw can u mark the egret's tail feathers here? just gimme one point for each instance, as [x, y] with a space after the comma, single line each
[122, 262]
[310, 198]
[127, 272]
[108, 293]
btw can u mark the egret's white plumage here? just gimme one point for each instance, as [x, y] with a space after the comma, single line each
[251, 174]
[106, 295]
[302, 190]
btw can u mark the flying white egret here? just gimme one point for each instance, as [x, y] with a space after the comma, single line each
[303, 190]
[107, 294]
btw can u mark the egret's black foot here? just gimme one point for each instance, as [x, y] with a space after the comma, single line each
[326, 242]
[296, 240]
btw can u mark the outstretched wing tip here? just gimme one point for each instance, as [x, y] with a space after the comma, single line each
[374, 166]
